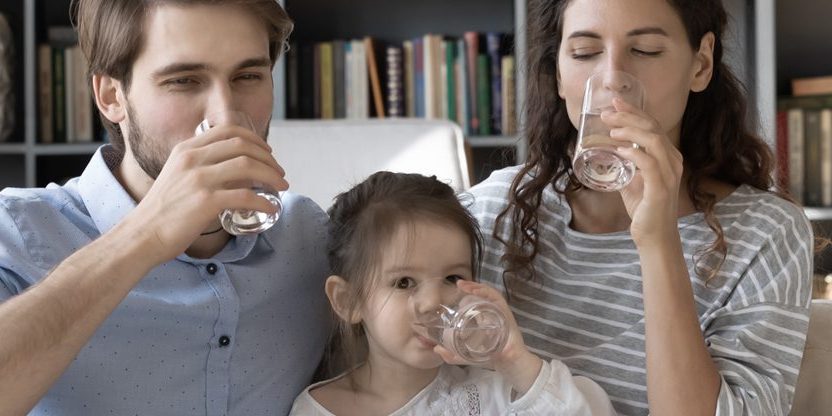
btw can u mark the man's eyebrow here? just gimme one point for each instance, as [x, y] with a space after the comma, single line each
[634, 32]
[193, 66]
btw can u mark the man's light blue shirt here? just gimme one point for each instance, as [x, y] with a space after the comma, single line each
[240, 333]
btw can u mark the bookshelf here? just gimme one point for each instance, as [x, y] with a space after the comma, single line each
[24, 160]
[395, 22]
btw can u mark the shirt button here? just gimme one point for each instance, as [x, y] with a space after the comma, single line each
[225, 340]
[211, 268]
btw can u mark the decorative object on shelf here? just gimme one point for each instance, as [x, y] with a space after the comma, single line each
[6, 91]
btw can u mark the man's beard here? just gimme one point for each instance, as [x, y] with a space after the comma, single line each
[149, 153]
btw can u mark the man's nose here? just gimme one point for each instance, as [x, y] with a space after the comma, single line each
[220, 100]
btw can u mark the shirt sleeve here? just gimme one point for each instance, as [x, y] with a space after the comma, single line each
[556, 391]
[757, 339]
[14, 258]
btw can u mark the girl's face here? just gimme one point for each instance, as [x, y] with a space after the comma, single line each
[645, 38]
[419, 270]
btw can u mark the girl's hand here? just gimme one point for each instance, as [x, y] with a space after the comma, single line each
[515, 361]
[652, 198]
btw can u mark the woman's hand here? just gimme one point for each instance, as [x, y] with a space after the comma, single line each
[515, 362]
[652, 198]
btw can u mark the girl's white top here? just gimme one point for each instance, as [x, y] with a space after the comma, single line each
[474, 391]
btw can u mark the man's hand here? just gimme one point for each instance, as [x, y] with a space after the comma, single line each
[203, 176]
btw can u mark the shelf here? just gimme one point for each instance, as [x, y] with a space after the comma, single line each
[67, 148]
[818, 213]
[492, 141]
[12, 148]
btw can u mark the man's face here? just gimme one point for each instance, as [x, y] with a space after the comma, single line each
[196, 60]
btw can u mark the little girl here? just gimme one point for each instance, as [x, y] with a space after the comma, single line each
[398, 244]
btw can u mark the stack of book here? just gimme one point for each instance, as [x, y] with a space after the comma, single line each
[65, 107]
[469, 80]
[804, 141]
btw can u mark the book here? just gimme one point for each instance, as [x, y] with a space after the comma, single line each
[58, 95]
[327, 81]
[395, 82]
[796, 153]
[409, 81]
[82, 100]
[812, 86]
[419, 77]
[316, 81]
[812, 147]
[472, 50]
[450, 79]
[45, 93]
[509, 96]
[375, 82]
[826, 156]
[339, 78]
[462, 115]
[483, 95]
[493, 44]
[293, 81]
[306, 98]
[782, 148]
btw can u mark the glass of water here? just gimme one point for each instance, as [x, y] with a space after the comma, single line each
[596, 163]
[470, 326]
[242, 221]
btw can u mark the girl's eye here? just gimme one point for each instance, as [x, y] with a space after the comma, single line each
[404, 283]
[454, 278]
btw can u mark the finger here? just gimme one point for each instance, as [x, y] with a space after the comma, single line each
[656, 143]
[222, 150]
[648, 166]
[448, 356]
[219, 133]
[243, 170]
[480, 289]
[242, 199]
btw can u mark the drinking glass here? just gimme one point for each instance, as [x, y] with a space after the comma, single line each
[243, 221]
[470, 326]
[596, 163]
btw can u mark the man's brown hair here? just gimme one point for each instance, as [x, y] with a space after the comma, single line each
[110, 33]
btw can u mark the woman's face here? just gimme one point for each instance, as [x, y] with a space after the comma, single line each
[645, 38]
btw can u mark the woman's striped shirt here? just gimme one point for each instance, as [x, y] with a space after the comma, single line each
[585, 307]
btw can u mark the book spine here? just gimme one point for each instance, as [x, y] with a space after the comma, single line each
[509, 97]
[450, 79]
[395, 103]
[826, 156]
[83, 100]
[812, 86]
[483, 94]
[69, 93]
[461, 85]
[493, 42]
[782, 146]
[796, 154]
[472, 50]
[316, 79]
[59, 95]
[813, 164]
[419, 77]
[339, 81]
[375, 82]
[293, 81]
[45, 93]
[327, 82]
[409, 80]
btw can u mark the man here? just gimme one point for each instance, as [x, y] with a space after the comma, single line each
[119, 292]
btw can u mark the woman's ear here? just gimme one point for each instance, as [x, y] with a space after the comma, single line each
[337, 291]
[109, 97]
[703, 68]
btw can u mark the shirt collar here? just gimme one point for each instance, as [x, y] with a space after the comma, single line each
[108, 203]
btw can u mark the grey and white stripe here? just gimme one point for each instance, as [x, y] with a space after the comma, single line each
[585, 308]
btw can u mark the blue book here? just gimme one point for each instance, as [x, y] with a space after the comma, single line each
[493, 41]
[419, 76]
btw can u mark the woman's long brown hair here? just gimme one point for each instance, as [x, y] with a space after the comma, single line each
[717, 138]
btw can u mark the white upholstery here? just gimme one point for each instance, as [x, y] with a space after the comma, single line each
[812, 396]
[325, 158]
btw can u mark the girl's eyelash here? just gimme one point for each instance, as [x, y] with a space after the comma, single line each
[647, 53]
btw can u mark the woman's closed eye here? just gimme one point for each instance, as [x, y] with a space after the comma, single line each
[646, 52]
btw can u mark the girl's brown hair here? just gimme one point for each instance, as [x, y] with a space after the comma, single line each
[111, 34]
[364, 219]
[717, 138]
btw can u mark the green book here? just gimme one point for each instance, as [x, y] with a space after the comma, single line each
[450, 65]
[484, 94]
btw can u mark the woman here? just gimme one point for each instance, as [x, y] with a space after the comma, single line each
[687, 292]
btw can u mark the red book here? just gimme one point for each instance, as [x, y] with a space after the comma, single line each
[782, 175]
